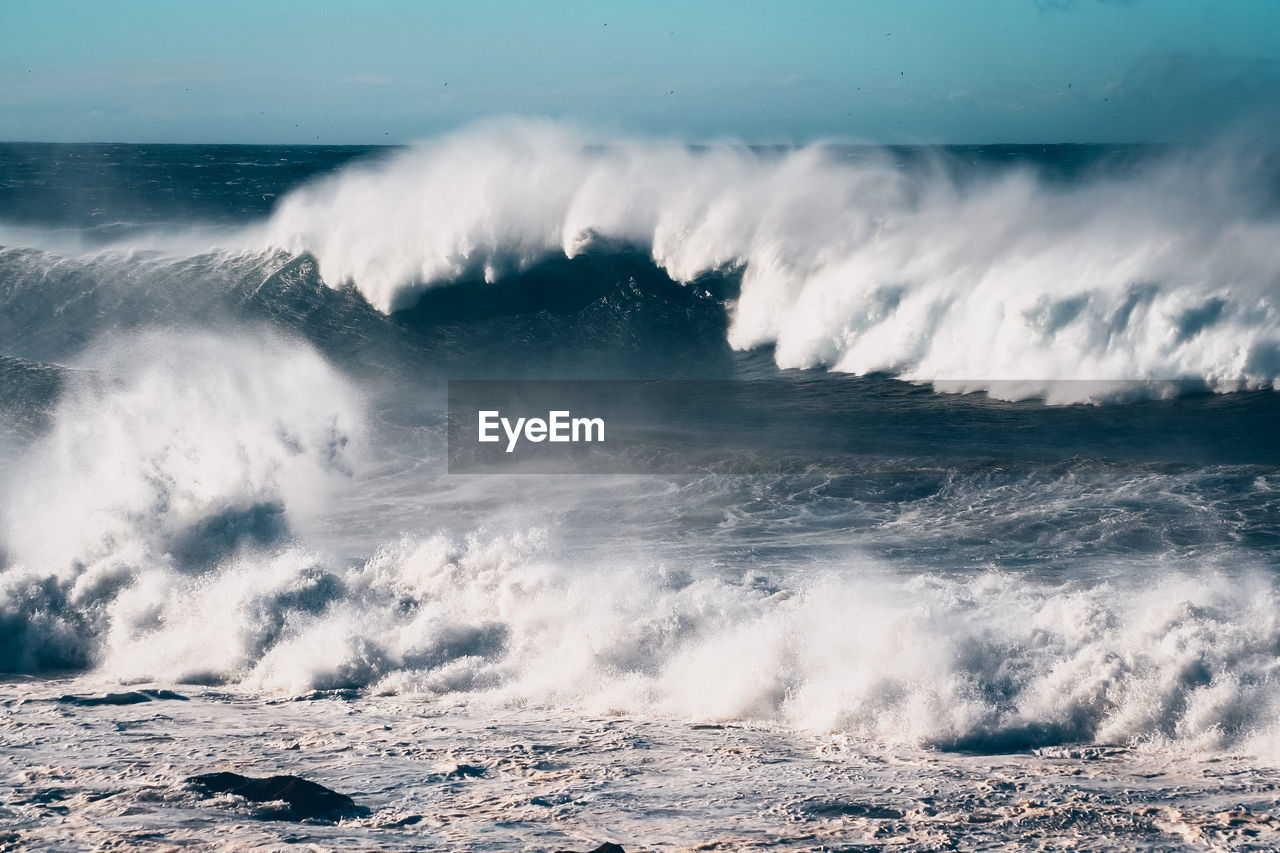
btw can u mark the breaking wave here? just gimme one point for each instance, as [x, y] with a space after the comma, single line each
[918, 264]
[994, 662]
[848, 259]
[160, 530]
[173, 453]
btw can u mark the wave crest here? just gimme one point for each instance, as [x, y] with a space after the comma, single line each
[849, 260]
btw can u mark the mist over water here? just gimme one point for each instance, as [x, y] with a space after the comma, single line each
[224, 451]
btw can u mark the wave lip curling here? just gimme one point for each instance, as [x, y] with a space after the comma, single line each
[849, 260]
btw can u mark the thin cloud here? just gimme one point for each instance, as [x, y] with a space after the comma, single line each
[367, 79]
[1063, 5]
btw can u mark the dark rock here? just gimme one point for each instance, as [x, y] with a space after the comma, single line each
[409, 821]
[837, 809]
[305, 799]
[133, 697]
[43, 796]
[607, 847]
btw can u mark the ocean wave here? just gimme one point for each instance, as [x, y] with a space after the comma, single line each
[993, 662]
[29, 390]
[1001, 278]
[165, 530]
[857, 263]
[176, 451]
[613, 310]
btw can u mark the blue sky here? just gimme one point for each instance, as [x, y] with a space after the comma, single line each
[879, 70]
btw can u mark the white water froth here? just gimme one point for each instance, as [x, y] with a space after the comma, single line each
[994, 661]
[178, 446]
[1169, 273]
[174, 451]
[160, 532]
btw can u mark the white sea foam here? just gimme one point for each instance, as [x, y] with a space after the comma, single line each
[991, 662]
[178, 449]
[159, 532]
[1169, 272]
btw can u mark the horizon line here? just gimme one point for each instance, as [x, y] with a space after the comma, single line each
[699, 144]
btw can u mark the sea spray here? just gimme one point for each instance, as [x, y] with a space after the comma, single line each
[991, 662]
[850, 260]
[177, 450]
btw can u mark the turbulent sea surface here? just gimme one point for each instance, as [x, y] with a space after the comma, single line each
[1042, 611]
